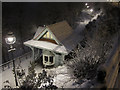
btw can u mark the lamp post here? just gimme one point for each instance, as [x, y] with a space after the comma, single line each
[11, 39]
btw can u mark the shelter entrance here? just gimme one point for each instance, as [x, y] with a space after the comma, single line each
[48, 58]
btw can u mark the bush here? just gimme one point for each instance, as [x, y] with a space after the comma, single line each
[36, 81]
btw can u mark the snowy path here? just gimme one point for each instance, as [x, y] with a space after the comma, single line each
[62, 77]
[85, 18]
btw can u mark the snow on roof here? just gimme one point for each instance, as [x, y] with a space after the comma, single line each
[39, 31]
[47, 46]
[64, 33]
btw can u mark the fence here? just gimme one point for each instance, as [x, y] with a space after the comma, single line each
[17, 60]
[108, 74]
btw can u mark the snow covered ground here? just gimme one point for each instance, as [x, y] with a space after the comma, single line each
[8, 73]
[62, 76]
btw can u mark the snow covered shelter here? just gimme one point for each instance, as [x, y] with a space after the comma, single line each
[55, 41]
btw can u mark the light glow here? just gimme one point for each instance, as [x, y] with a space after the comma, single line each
[86, 4]
[91, 10]
[10, 39]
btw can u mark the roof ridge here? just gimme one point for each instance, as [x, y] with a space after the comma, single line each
[57, 23]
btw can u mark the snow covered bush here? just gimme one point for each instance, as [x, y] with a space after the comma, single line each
[36, 81]
[86, 60]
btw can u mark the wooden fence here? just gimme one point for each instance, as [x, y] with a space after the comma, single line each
[108, 74]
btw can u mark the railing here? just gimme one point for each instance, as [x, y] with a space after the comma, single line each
[17, 60]
[108, 74]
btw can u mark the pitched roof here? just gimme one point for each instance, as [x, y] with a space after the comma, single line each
[72, 41]
[61, 30]
[64, 33]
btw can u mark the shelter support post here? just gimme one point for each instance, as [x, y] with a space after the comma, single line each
[62, 59]
[33, 53]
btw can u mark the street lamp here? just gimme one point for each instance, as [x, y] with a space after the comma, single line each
[86, 4]
[91, 10]
[11, 39]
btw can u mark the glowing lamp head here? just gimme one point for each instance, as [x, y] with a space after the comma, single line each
[10, 38]
[91, 10]
[86, 4]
